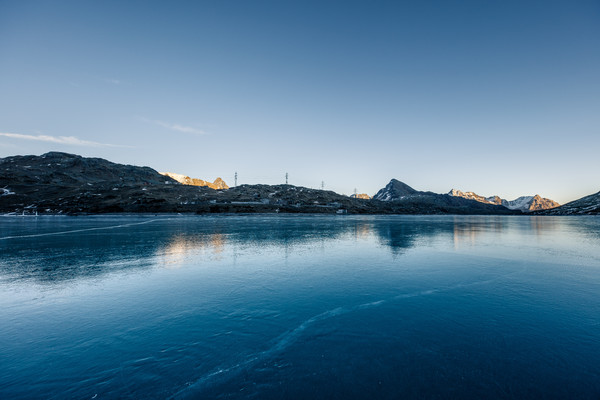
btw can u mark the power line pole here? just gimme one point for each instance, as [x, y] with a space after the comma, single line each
[322, 185]
[286, 178]
[235, 178]
[355, 195]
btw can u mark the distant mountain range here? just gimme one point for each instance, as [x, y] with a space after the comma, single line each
[523, 203]
[186, 180]
[66, 183]
[397, 192]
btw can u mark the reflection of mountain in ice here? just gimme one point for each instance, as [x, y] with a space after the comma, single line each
[303, 307]
[91, 246]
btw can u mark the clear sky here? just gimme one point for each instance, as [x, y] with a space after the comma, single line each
[495, 97]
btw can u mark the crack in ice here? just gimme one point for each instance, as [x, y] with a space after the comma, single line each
[222, 375]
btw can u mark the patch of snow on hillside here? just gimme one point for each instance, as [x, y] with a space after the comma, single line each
[521, 203]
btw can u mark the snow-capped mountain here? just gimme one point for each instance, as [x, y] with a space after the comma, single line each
[476, 197]
[418, 202]
[186, 180]
[586, 205]
[523, 203]
[395, 190]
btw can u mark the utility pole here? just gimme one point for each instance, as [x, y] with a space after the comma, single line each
[355, 195]
[322, 185]
[235, 178]
[286, 178]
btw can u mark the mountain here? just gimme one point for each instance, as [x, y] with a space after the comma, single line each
[62, 183]
[394, 190]
[399, 194]
[523, 203]
[186, 180]
[61, 169]
[473, 196]
[361, 196]
[541, 203]
[586, 205]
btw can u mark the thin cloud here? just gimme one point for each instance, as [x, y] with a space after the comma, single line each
[113, 81]
[69, 140]
[177, 127]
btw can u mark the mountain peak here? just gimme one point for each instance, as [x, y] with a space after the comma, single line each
[220, 184]
[540, 203]
[186, 180]
[400, 187]
[523, 203]
[393, 190]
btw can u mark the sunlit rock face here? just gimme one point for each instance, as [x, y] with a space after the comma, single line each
[186, 180]
[523, 203]
[540, 203]
[219, 184]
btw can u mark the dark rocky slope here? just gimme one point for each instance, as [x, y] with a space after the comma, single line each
[588, 205]
[67, 183]
[399, 194]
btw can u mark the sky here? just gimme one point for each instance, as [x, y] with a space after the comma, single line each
[496, 97]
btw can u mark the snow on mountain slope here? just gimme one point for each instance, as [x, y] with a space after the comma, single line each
[472, 196]
[523, 203]
[394, 190]
[520, 203]
[402, 195]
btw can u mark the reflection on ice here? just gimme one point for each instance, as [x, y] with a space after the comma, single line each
[50, 249]
[174, 252]
[320, 306]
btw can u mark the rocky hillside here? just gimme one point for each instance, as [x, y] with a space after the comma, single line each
[71, 184]
[586, 205]
[523, 203]
[63, 169]
[395, 190]
[186, 180]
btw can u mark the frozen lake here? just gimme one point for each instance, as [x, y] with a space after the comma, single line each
[311, 307]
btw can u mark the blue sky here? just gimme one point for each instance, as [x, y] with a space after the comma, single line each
[496, 97]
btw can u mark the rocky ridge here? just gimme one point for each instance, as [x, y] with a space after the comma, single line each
[361, 196]
[588, 205]
[523, 203]
[186, 180]
[70, 184]
[397, 192]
